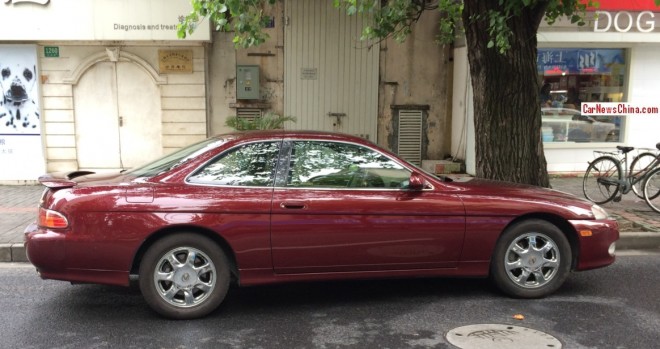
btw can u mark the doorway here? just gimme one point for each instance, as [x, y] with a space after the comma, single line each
[118, 117]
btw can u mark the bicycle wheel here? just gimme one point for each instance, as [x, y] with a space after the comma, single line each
[651, 189]
[601, 181]
[638, 168]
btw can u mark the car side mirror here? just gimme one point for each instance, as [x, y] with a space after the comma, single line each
[416, 182]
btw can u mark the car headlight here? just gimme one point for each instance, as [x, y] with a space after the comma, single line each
[599, 212]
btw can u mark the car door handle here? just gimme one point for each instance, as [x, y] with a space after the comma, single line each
[293, 205]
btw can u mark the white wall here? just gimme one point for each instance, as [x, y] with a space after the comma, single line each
[183, 100]
[643, 131]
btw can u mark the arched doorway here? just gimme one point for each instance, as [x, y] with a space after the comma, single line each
[118, 117]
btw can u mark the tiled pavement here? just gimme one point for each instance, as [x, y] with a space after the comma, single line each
[18, 207]
[640, 225]
[632, 213]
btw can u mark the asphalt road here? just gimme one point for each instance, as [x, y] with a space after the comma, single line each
[615, 307]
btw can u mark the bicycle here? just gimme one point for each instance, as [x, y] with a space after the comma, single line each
[651, 188]
[605, 178]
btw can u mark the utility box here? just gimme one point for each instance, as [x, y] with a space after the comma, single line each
[247, 86]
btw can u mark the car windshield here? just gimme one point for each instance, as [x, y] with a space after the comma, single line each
[175, 159]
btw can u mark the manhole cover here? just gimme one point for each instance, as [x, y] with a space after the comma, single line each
[497, 336]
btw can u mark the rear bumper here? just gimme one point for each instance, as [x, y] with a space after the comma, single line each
[47, 251]
[595, 237]
[44, 248]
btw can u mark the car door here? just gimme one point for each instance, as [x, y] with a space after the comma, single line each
[236, 189]
[342, 207]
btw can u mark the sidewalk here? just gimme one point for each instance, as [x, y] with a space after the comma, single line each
[640, 226]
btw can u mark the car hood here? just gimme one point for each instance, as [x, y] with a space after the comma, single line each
[483, 196]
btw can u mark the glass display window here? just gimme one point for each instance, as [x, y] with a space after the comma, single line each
[572, 76]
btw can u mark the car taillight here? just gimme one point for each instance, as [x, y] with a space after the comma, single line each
[52, 219]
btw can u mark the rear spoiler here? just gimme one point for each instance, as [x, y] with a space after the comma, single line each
[61, 179]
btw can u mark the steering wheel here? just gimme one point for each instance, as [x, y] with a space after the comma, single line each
[363, 179]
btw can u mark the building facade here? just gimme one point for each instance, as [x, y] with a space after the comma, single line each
[115, 87]
[316, 68]
[111, 85]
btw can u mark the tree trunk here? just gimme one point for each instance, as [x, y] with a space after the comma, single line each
[507, 114]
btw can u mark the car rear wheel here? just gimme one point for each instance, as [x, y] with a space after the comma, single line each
[532, 259]
[184, 276]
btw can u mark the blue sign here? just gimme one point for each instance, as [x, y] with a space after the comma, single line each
[578, 61]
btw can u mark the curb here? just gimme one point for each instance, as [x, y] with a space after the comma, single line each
[627, 241]
[12, 253]
[638, 241]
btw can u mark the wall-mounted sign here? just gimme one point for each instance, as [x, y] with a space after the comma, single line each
[175, 61]
[627, 5]
[309, 73]
[84, 20]
[51, 51]
[624, 21]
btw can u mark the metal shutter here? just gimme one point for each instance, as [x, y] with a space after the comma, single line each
[410, 135]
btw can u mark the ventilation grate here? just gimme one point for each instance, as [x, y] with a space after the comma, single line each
[410, 135]
[248, 113]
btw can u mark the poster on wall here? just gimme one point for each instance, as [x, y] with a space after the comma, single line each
[21, 151]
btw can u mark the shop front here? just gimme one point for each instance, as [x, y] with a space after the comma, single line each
[97, 85]
[612, 59]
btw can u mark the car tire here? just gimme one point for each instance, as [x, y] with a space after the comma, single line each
[532, 259]
[184, 276]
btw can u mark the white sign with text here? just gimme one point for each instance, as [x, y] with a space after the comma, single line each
[96, 20]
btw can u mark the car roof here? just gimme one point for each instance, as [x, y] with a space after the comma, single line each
[291, 134]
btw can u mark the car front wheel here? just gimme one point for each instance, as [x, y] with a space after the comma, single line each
[532, 259]
[184, 276]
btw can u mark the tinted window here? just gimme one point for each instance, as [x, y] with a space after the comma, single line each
[247, 165]
[340, 165]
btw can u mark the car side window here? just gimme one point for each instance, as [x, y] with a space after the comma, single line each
[324, 164]
[251, 164]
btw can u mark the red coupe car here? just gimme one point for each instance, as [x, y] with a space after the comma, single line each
[276, 206]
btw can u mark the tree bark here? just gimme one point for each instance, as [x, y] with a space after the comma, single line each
[507, 113]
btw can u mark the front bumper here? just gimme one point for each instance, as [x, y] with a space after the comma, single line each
[595, 237]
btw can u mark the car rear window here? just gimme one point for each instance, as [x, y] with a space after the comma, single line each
[175, 159]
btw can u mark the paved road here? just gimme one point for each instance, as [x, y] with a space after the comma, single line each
[615, 307]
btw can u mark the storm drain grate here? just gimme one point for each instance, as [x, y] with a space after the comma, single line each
[498, 336]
